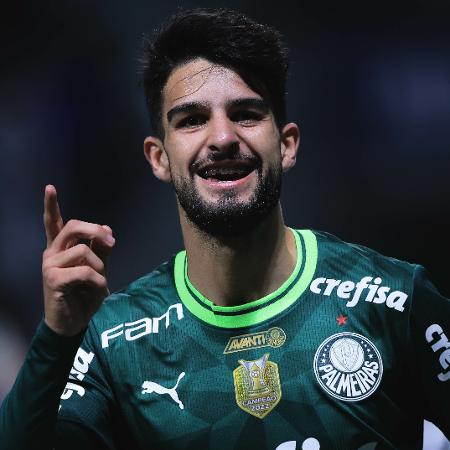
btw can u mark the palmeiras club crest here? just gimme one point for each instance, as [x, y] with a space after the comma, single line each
[257, 386]
[348, 366]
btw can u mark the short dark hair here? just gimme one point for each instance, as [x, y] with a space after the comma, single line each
[225, 37]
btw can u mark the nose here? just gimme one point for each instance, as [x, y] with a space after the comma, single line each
[222, 135]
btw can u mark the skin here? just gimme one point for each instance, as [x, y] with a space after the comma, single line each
[73, 273]
[228, 271]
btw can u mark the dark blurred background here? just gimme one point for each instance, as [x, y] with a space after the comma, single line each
[369, 87]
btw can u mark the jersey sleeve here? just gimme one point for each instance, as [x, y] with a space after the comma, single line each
[87, 401]
[430, 338]
[29, 412]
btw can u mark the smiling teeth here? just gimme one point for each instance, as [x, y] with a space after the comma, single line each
[225, 174]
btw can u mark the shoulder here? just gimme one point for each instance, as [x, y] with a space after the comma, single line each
[361, 277]
[147, 285]
[332, 248]
[147, 296]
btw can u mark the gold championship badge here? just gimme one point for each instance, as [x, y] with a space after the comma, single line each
[257, 386]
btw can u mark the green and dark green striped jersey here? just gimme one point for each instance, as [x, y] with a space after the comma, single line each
[351, 352]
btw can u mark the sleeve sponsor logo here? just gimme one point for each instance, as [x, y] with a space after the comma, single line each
[435, 336]
[348, 366]
[274, 337]
[368, 288]
[142, 327]
[79, 369]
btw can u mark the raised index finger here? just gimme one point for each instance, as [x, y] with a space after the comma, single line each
[52, 217]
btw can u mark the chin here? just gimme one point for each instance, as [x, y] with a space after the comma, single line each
[229, 212]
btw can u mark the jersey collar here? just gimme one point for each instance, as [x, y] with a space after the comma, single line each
[256, 311]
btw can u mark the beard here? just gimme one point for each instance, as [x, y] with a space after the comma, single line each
[229, 217]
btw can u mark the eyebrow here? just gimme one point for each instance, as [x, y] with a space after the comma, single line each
[256, 103]
[186, 107]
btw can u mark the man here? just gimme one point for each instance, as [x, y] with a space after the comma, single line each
[255, 336]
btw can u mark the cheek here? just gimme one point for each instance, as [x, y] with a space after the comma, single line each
[272, 153]
[182, 151]
[265, 141]
[174, 157]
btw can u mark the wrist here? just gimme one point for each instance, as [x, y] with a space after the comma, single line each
[64, 331]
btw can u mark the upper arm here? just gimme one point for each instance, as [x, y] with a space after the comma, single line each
[87, 407]
[75, 436]
[430, 336]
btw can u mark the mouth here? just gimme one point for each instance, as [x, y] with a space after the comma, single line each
[226, 171]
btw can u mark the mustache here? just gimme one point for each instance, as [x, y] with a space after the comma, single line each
[219, 156]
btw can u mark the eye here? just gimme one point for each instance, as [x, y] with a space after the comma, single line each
[246, 117]
[192, 121]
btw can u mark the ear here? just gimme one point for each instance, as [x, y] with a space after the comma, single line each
[290, 140]
[156, 155]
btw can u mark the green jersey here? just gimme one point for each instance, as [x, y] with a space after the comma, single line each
[351, 352]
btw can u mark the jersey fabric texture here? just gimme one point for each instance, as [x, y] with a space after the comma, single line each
[351, 352]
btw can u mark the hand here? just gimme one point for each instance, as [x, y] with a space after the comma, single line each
[73, 273]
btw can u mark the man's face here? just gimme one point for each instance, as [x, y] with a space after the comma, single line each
[223, 147]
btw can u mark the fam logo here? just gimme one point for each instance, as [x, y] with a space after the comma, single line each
[274, 337]
[142, 327]
[354, 292]
[348, 366]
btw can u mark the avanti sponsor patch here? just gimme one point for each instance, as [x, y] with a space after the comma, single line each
[348, 366]
[274, 337]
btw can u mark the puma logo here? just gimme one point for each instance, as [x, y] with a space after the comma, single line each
[149, 387]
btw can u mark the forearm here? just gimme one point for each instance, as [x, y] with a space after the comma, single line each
[28, 414]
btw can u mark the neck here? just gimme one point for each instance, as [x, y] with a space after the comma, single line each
[236, 270]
